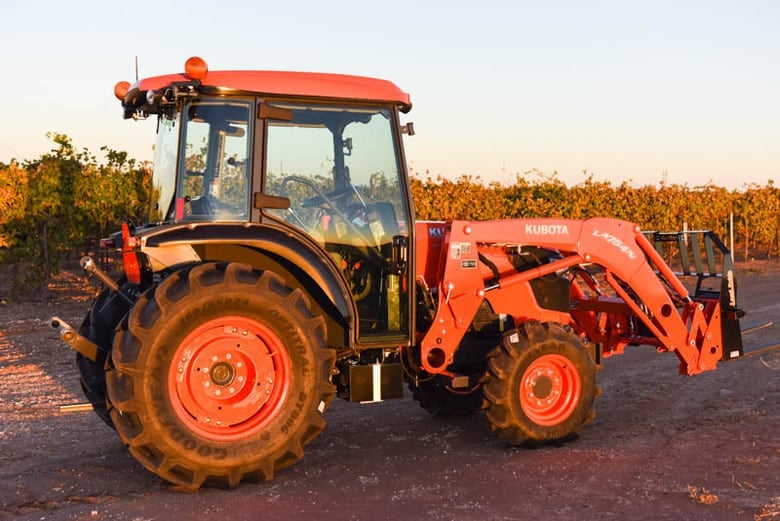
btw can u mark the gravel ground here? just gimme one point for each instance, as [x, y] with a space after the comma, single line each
[663, 446]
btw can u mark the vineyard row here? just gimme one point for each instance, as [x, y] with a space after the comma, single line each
[755, 209]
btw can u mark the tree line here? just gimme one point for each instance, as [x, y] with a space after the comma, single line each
[754, 210]
[52, 205]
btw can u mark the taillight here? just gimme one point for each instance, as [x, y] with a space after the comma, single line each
[129, 256]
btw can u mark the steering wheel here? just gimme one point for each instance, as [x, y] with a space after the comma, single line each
[320, 199]
[325, 198]
[328, 199]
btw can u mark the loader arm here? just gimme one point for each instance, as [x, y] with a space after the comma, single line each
[472, 267]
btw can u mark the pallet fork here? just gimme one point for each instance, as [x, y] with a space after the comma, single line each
[698, 254]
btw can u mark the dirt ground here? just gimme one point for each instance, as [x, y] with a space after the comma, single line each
[663, 446]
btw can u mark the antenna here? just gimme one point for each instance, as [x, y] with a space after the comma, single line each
[136, 69]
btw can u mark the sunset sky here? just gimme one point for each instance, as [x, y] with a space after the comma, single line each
[624, 90]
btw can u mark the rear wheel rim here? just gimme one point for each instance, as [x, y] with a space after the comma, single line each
[550, 390]
[229, 378]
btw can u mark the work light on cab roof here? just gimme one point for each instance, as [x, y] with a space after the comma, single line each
[195, 67]
[120, 89]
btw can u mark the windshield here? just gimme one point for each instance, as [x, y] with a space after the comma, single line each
[213, 183]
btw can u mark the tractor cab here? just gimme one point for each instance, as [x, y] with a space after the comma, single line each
[232, 153]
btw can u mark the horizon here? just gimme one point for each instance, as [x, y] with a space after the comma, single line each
[682, 93]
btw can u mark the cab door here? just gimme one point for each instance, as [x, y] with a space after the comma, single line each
[339, 167]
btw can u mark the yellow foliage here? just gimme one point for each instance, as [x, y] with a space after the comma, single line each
[756, 209]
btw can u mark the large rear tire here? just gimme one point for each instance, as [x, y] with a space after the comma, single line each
[220, 374]
[98, 326]
[540, 385]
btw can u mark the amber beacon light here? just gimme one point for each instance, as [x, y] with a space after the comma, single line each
[196, 68]
[120, 89]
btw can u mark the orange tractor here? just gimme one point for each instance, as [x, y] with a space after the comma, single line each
[281, 266]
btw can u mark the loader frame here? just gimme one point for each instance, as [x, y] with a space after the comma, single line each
[646, 302]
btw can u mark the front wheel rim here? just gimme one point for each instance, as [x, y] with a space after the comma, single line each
[550, 390]
[229, 377]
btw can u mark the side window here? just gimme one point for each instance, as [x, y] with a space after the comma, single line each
[299, 163]
[163, 188]
[339, 169]
[214, 180]
[372, 164]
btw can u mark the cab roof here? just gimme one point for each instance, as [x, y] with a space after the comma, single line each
[279, 83]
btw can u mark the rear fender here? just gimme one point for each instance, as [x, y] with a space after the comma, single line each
[300, 261]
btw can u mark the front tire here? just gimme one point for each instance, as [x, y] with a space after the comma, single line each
[220, 374]
[540, 385]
